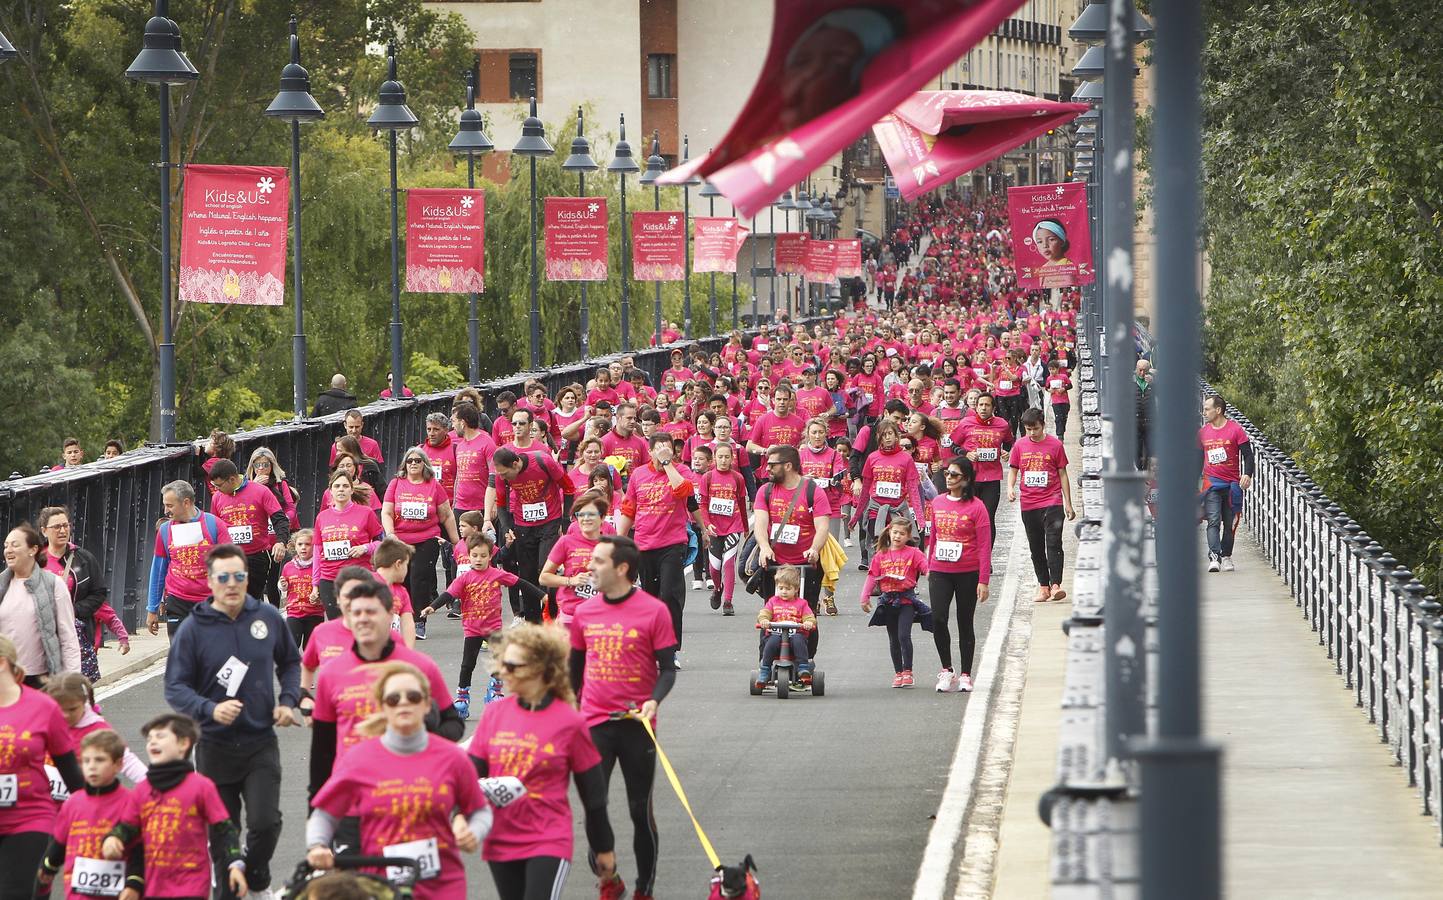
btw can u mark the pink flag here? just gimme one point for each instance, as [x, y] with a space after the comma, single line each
[233, 235]
[821, 264]
[658, 246]
[576, 239]
[791, 252]
[833, 68]
[715, 244]
[849, 258]
[445, 240]
[1050, 239]
[934, 136]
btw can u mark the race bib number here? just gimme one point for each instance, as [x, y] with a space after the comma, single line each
[1217, 456]
[231, 675]
[533, 512]
[821, 482]
[414, 510]
[503, 791]
[335, 551]
[1152, 496]
[947, 441]
[462, 568]
[58, 791]
[241, 534]
[979, 372]
[185, 534]
[584, 591]
[786, 534]
[97, 877]
[1004, 385]
[986, 454]
[9, 790]
[889, 490]
[1055, 384]
[1035, 478]
[436, 472]
[891, 351]
[721, 506]
[424, 852]
[948, 551]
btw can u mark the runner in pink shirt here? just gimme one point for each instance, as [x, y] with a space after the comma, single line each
[1040, 463]
[567, 565]
[85, 819]
[983, 438]
[624, 441]
[722, 502]
[658, 504]
[1227, 467]
[257, 523]
[780, 426]
[417, 510]
[896, 568]
[959, 559]
[299, 593]
[346, 533]
[354, 421]
[538, 493]
[474, 449]
[177, 571]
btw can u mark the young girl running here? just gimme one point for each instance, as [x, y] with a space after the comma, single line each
[76, 698]
[895, 569]
[723, 503]
[298, 589]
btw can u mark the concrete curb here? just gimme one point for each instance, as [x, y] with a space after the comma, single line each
[114, 667]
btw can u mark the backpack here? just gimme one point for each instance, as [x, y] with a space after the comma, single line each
[749, 559]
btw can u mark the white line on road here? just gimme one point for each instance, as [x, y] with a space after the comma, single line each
[155, 670]
[947, 826]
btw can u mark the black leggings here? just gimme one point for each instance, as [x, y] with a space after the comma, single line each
[1060, 411]
[421, 577]
[470, 649]
[1044, 538]
[326, 593]
[943, 588]
[990, 493]
[899, 637]
[301, 628]
[537, 878]
[663, 575]
[20, 855]
[626, 741]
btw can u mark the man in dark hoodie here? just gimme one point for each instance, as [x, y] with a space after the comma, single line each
[335, 398]
[224, 662]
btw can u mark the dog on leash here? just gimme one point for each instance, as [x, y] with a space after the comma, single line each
[736, 882]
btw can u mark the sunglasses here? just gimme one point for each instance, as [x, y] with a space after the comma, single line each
[415, 462]
[951, 474]
[228, 577]
[513, 667]
[396, 698]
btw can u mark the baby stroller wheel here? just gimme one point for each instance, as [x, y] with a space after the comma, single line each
[819, 683]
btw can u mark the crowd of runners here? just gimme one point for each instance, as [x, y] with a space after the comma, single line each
[562, 533]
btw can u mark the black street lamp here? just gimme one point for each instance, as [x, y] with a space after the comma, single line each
[472, 141]
[161, 62]
[686, 187]
[392, 115]
[624, 164]
[709, 191]
[533, 144]
[7, 49]
[786, 204]
[803, 206]
[295, 104]
[815, 218]
[580, 162]
[655, 165]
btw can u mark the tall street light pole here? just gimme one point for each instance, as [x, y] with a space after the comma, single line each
[803, 206]
[786, 205]
[655, 165]
[623, 164]
[580, 162]
[392, 115]
[161, 62]
[471, 140]
[709, 191]
[686, 187]
[533, 144]
[295, 104]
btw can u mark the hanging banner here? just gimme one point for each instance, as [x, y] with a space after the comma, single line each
[934, 136]
[658, 246]
[849, 258]
[743, 233]
[445, 240]
[832, 69]
[821, 262]
[233, 235]
[1050, 240]
[791, 252]
[714, 244]
[576, 239]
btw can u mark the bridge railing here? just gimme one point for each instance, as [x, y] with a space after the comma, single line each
[115, 504]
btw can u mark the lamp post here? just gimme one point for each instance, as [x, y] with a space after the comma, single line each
[624, 164]
[471, 140]
[709, 191]
[161, 62]
[786, 205]
[803, 206]
[814, 219]
[533, 144]
[655, 165]
[772, 275]
[295, 104]
[392, 115]
[580, 162]
[686, 187]
[754, 270]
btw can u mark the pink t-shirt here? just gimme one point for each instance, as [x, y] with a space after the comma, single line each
[417, 508]
[329, 640]
[657, 510]
[534, 495]
[298, 581]
[771, 430]
[621, 641]
[898, 569]
[248, 513]
[820, 466]
[723, 501]
[174, 829]
[633, 448]
[543, 748]
[337, 531]
[572, 553]
[989, 439]
[891, 479]
[343, 691]
[1220, 450]
[189, 543]
[405, 798]
[793, 610]
[473, 469]
[400, 599]
[31, 728]
[479, 593]
[1038, 464]
[81, 826]
[960, 538]
[813, 402]
[791, 547]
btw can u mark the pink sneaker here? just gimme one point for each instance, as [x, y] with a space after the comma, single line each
[964, 683]
[907, 678]
[897, 681]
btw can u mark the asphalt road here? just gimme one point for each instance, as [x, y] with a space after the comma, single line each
[833, 796]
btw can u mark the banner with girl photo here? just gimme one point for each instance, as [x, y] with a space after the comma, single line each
[1050, 238]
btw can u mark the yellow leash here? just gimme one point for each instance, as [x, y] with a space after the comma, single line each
[676, 786]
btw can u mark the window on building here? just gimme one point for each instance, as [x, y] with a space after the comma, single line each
[660, 75]
[521, 70]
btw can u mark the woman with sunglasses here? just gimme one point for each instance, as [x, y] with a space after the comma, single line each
[415, 794]
[959, 561]
[417, 510]
[566, 567]
[536, 735]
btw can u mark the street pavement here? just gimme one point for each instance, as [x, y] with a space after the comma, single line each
[831, 795]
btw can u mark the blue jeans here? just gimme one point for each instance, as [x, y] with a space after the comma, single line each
[773, 648]
[1218, 507]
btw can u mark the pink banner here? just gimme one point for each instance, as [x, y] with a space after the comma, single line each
[791, 252]
[742, 233]
[849, 258]
[833, 68]
[658, 246]
[445, 240]
[576, 239]
[923, 153]
[714, 244]
[233, 235]
[1049, 235]
[821, 264]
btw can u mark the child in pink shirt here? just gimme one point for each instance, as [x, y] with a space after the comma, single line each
[896, 568]
[85, 818]
[786, 607]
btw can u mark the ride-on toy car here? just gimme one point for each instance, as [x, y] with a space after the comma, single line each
[784, 676]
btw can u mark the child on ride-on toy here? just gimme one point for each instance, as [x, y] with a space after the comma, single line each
[786, 606]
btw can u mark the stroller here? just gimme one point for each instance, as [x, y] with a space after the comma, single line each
[396, 884]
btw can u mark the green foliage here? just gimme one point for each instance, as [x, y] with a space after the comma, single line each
[1323, 168]
[425, 375]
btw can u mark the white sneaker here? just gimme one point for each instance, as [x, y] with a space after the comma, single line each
[964, 683]
[676, 660]
[1228, 564]
[846, 542]
[946, 682]
[517, 620]
[710, 585]
[1212, 563]
[696, 584]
